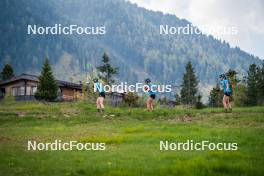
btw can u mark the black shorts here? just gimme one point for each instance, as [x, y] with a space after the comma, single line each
[153, 96]
[102, 94]
[228, 94]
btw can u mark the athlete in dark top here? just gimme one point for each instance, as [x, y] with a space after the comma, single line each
[152, 94]
[227, 92]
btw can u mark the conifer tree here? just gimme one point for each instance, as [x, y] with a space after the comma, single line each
[215, 97]
[189, 85]
[7, 72]
[199, 104]
[241, 95]
[177, 99]
[106, 71]
[47, 87]
[260, 85]
[252, 90]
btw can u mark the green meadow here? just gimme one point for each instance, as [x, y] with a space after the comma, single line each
[132, 137]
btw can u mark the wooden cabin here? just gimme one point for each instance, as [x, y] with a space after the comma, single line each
[24, 86]
[116, 99]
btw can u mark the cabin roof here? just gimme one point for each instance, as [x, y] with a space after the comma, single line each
[34, 78]
[20, 77]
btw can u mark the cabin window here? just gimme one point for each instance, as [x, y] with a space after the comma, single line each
[17, 91]
[34, 90]
[28, 92]
[14, 91]
[22, 91]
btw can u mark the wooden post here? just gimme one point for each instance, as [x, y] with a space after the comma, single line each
[25, 91]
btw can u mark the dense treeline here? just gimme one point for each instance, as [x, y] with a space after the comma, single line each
[132, 39]
[246, 92]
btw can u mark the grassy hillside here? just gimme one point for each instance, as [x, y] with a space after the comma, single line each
[132, 139]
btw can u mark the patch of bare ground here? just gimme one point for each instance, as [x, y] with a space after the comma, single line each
[4, 139]
[69, 112]
[184, 118]
[21, 114]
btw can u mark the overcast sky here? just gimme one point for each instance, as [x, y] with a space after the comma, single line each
[246, 15]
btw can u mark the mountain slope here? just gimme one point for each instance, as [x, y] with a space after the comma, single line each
[132, 40]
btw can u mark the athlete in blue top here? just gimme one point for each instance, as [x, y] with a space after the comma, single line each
[227, 92]
[101, 96]
[152, 94]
